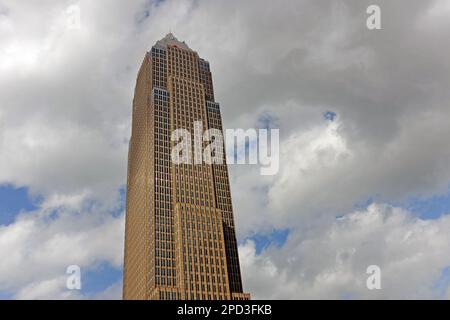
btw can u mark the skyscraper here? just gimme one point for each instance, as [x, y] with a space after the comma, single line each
[180, 240]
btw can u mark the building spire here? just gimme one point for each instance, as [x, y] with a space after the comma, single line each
[170, 40]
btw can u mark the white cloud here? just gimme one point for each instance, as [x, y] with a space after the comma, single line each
[47, 289]
[330, 260]
[41, 245]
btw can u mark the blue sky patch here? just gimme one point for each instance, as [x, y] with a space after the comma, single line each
[12, 202]
[443, 283]
[122, 201]
[5, 295]
[330, 115]
[276, 237]
[100, 278]
[267, 120]
[430, 208]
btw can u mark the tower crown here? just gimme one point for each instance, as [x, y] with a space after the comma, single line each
[171, 40]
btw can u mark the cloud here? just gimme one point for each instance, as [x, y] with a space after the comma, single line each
[53, 289]
[41, 245]
[330, 260]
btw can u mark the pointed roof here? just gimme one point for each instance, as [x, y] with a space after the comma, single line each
[170, 40]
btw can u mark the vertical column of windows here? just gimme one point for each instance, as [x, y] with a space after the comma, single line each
[165, 266]
[159, 68]
[223, 202]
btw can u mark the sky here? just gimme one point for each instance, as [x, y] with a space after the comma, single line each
[364, 121]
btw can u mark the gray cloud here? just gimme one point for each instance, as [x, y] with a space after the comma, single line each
[330, 261]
